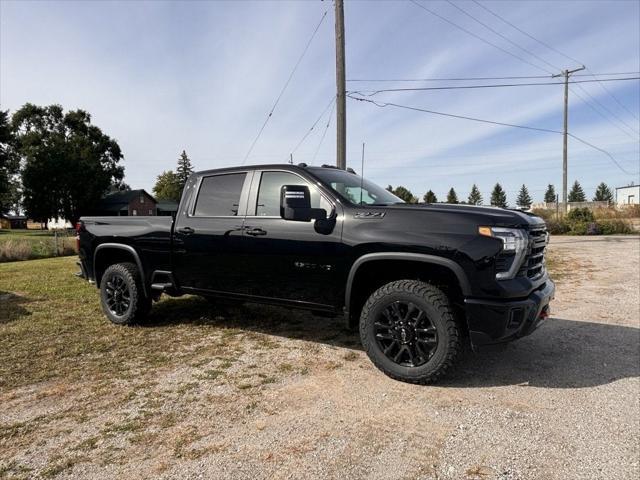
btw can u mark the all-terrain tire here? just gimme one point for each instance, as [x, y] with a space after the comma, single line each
[122, 296]
[436, 308]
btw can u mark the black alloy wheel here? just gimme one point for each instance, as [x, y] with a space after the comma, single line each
[118, 295]
[405, 334]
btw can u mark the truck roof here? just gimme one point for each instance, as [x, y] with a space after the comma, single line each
[283, 166]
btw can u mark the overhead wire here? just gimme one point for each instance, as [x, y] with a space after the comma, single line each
[550, 47]
[284, 88]
[324, 133]
[510, 53]
[470, 79]
[492, 122]
[304, 137]
[462, 87]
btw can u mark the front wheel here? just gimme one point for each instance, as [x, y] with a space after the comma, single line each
[121, 295]
[409, 331]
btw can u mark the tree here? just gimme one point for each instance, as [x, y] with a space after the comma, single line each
[68, 162]
[430, 197]
[524, 199]
[475, 198]
[498, 196]
[452, 196]
[183, 170]
[603, 194]
[577, 194]
[403, 193]
[167, 187]
[9, 167]
[550, 194]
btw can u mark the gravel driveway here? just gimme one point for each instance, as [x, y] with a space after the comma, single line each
[562, 403]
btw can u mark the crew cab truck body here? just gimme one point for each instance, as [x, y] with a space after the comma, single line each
[418, 280]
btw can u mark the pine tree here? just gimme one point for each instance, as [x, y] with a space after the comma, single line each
[452, 197]
[498, 196]
[577, 194]
[603, 194]
[524, 199]
[475, 198]
[550, 194]
[430, 197]
[183, 170]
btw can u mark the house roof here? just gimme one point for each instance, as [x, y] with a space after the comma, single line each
[167, 206]
[122, 198]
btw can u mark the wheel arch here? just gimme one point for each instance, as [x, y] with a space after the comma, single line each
[109, 253]
[407, 260]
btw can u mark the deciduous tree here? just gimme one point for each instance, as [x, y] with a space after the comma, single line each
[167, 187]
[403, 193]
[68, 162]
[9, 167]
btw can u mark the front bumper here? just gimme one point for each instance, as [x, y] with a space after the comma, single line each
[493, 322]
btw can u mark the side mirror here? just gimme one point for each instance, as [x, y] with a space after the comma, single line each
[295, 204]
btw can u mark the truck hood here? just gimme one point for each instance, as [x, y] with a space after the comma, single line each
[490, 216]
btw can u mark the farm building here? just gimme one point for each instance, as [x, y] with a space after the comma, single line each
[127, 203]
[629, 195]
[12, 222]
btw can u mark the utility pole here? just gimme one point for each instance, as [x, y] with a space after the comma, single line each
[566, 75]
[341, 101]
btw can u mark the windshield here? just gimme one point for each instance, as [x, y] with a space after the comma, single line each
[354, 188]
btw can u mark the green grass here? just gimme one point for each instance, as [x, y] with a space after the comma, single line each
[52, 327]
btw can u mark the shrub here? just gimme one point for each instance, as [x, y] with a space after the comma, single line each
[580, 215]
[614, 226]
[546, 214]
[557, 227]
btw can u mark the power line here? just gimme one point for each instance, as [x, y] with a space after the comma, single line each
[505, 37]
[253, 144]
[568, 57]
[590, 105]
[491, 122]
[460, 87]
[604, 107]
[324, 134]
[470, 79]
[469, 32]
[332, 102]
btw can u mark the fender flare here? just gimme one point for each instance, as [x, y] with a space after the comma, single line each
[406, 256]
[120, 246]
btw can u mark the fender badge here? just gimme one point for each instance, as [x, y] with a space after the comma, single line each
[369, 215]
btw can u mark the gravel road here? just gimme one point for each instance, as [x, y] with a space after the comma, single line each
[563, 403]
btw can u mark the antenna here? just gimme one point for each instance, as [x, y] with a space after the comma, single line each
[362, 174]
[291, 159]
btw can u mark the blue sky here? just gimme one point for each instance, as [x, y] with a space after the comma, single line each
[163, 76]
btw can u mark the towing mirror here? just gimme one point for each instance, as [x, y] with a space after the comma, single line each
[295, 204]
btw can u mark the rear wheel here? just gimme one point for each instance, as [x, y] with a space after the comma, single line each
[122, 296]
[408, 330]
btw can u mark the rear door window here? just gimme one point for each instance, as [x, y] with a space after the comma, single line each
[219, 195]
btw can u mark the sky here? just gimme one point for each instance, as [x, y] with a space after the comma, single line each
[161, 77]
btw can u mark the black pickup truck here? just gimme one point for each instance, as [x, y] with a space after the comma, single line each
[419, 280]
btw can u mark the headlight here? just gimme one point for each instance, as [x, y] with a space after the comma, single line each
[514, 243]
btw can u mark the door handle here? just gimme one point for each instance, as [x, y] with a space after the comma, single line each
[186, 230]
[255, 232]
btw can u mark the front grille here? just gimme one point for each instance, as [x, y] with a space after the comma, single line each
[534, 263]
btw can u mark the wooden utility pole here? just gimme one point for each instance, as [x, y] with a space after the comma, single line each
[341, 101]
[566, 75]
